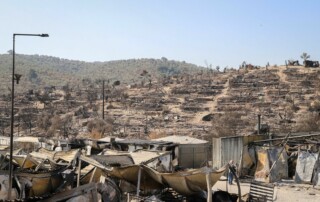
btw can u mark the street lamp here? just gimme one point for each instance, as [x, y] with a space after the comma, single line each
[17, 78]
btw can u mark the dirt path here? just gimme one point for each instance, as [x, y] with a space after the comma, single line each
[282, 76]
[222, 94]
[212, 104]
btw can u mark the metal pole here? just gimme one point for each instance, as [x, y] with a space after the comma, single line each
[12, 120]
[12, 109]
[79, 172]
[103, 99]
[209, 187]
[139, 182]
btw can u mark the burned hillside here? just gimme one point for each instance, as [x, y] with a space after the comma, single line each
[203, 104]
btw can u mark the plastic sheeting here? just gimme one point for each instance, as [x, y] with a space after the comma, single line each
[305, 166]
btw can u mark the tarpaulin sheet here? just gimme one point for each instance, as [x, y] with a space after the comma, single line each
[305, 166]
[187, 182]
[130, 174]
[184, 182]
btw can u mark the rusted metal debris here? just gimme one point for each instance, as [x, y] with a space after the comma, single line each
[294, 156]
[310, 63]
[100, 170]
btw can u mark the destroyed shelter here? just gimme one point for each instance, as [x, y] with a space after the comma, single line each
[294, 156]
[190, 152]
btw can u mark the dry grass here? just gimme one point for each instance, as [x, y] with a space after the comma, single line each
[156, 135]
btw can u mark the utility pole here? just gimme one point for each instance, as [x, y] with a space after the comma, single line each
[103, 99]
[259, 123]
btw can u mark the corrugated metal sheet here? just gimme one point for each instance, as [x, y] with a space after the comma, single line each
[182, 140]
[193, 155]
[225, 149]
[231, 149]
[216, 152]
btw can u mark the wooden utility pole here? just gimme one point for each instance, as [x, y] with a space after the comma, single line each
[259, 123]
[103, 99]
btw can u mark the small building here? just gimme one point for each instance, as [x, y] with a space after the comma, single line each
[190, 152]
[4, 140]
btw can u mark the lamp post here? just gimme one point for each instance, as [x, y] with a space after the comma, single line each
[17, 78]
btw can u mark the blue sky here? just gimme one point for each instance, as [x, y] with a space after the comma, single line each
[224, 32]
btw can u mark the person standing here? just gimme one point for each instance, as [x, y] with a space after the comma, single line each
[230, 173]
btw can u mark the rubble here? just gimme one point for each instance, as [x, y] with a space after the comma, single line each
[297, 158]
[110, 175]
[177, 105]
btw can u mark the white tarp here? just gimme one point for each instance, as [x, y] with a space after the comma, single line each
[305, 166]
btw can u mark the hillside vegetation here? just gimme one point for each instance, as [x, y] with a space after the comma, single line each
[40, 70]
